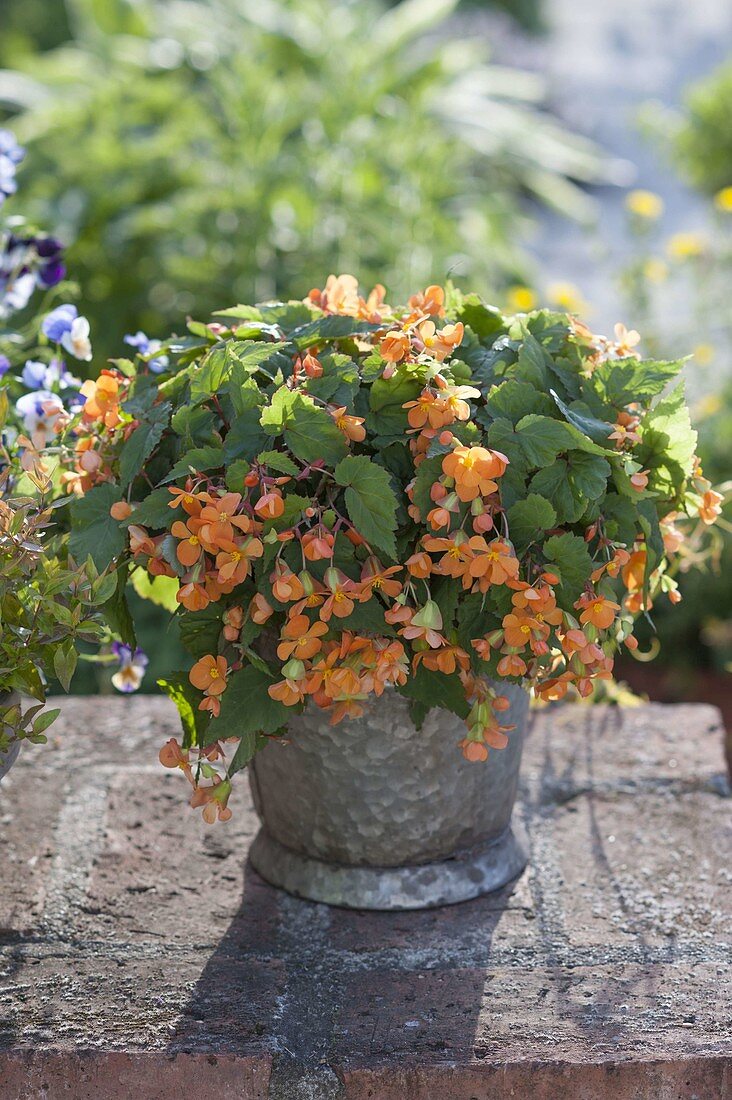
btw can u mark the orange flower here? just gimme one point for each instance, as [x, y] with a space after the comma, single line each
[711, 506]
[339, 296]
[285, 585]
[214, 801]
[511, 665]
[394, 346]
[493, 563]
[173, 756]
[517, 630]
[189, 549]
[189, 501]
[140, 541]
[193, 597]
[270, 505]
[233, 621]
[440, 343]
[456, 554]
[598, 610]
[317, 544]
[234, 560]
[419, 564]
[639, 480]
[447, 659]
[351, 426]
[375, 578]
[209, 674]
[425, 625]
[431, 301]
[102, 399]
[342, 594]
[259, 609]
[633, 573]
[473, 469]
[300, 639]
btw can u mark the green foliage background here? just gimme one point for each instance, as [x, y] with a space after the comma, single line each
[231, 150]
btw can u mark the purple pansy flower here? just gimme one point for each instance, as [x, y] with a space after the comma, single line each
[132, 665]
[4, 365]
[59, 321]
[145, 346]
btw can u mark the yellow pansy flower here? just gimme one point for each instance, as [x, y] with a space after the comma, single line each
[644, 204]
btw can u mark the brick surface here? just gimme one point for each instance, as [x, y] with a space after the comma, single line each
[140, 956]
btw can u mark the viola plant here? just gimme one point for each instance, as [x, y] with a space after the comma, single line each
[338, 497]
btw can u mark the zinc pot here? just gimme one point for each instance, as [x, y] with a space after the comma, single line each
[376, 814]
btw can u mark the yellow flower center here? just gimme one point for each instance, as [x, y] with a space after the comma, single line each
[193, 540]
[214, 673]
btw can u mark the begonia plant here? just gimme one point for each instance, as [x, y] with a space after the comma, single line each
[338, 497]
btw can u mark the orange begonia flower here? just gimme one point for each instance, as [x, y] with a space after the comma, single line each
[301, 639]
[440, 343]
[394, 346]
[473, 469]
[209, 674]
[351, 426]
[598, 610]
[711, 506]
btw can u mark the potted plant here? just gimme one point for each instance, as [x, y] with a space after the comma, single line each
[378, 526]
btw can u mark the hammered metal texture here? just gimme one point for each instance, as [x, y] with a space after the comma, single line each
[374, 791]
[415, 886]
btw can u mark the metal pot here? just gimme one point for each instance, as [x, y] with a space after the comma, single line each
[375, 814]
[8, 758]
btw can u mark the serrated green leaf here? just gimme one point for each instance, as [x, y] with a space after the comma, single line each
[141, 444]
[618, 382]
[93, 531]
[386, 398]
[153, 511]
[276, 460]
[542, 438]
[528, 519]
[514, 399]
[200, 630]
[581, 418]
[435, 689]
[247, 710]
[197, 460]
[574, 564]
[327, 328]
[370, 501]
[309, 431]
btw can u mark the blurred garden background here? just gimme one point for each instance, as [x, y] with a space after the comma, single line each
[196, 152]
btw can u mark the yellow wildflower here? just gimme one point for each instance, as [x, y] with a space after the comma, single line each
[644, 204]
[723, 200]
[685, 246]
[521, 299]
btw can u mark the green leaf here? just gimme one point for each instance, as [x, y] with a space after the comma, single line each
[246, 356]
[235, 473]
[427, 474]
[310, 432]
[141, 444]
[276, 460]
[570, 555]
[618, 382]
[552, 482]
[93, 531]
[64, 663]
[528, 519]
[186, 698]
[386, 398]
[194, 424]
[543, 438]
[532, 363]
[117, 611]
[247, 710]
[200, 630]
[370, 500]
[153, 511]
[580, 416]
[197, 460]
[668, 443]
[327, 328]
[486, 321]
[435, 689]
[159, 590]
[514, 399]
